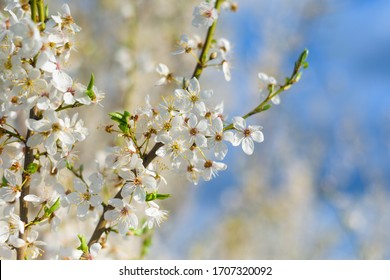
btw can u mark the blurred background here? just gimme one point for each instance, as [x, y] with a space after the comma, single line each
[319, 185]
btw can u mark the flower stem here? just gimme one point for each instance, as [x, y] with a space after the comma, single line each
[207, 44]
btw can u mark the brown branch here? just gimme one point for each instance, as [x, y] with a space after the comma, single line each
[23, 206]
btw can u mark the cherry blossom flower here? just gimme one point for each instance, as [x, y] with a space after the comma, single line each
[166, 75]
[123, 215]
[85, 196]
[155, 216]
[137, 184]
[204, 15]
[246, 135]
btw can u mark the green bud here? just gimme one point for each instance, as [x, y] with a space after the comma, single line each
[298, 77]
[32, 168]
[266, 107]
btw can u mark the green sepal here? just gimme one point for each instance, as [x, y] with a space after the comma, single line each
[32, 168]
[53, 208]
[83, 244]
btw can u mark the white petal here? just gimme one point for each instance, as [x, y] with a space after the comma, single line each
[192, 121]
[96, 200]
[117, 203]
[68, 98]
[239, 123]
[123, 227]
[162, 69]
[33, 198]
[200, 140]
[111, 215]
[34, 140]
[194, 85]
[226, 71]
[231, 137]
[82, 208]
[247, 146]
[220, 150]
[38, 126]
[74, 198]
[79, 185]
[62, 81]
[4, 232]
[16, 242]
[133, 221]
[32, 235]
[66, 138]
[257, 136]
[140, 194]
[51, 144]
[202, 125]
[217, 125]
[149, 182]
[94, 250]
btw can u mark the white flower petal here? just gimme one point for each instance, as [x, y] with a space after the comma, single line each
[82, 208]
[257, 136]
[248, 146]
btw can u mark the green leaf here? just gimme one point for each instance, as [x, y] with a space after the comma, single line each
[53, 208]
[91, 94]
[154, 196]
[140, 231]
[4, 182]
[91, 82]
[32, 168]
[146, 245]
[124, 128]
[162, 196]
[151, 196]
[83, 244]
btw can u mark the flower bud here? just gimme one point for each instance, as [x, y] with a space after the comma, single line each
[213, 55]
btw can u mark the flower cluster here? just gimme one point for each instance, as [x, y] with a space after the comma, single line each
[34, 83]
[187, 133]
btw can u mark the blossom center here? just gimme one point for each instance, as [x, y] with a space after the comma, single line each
[138, 181]
[193, 131]
[125, 211]
[208, 164]
[247, 132]
[86, 196]
[56, 126]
